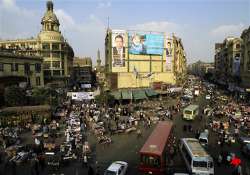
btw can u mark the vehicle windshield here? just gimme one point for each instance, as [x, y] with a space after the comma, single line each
[202, 164]
[203, 140]
[107, 172]
[151, 161]
[188, 112]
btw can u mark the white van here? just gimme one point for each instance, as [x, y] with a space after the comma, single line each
[203, 138]
[190, 112]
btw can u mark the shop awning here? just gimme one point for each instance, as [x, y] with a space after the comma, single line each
[117, 95]
[151, 92]
[126, 95]
[139, 94]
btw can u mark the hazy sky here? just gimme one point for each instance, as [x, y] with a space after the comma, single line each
[200, 23]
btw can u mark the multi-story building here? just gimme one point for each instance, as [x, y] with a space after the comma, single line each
[227, 61]
[82, 75]
[138, 59]
[201, 69]
[245, 63]
[50, 44]
[18, 69]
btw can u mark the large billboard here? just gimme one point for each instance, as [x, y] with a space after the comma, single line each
[118, 48]
[169, 54]
[145, 44]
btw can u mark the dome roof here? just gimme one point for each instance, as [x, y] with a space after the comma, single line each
[49, 16]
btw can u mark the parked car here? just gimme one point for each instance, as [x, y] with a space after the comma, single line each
[117, 168]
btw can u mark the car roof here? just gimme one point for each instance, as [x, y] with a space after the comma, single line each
[115, 166]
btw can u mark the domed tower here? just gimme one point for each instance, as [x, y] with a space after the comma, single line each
[49, 21]
[56, 51]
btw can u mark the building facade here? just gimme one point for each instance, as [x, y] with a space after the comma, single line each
[16, 69]
[201, 69]
[50, 44]
[227, 61]
[138, 59]
[82, 75]
[245, 63]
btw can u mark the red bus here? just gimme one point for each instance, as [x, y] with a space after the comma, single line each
[154, 153]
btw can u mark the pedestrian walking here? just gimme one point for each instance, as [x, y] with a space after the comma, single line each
[239, 170]
[13, 167]
[219, 160]
[139, 133]
[85, 161]
[90, 171]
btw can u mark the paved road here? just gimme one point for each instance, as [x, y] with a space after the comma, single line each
[126, 146]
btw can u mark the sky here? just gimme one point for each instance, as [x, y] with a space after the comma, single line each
[199, 23]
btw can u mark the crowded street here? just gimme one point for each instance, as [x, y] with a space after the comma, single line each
[87, 136]
[107, 87]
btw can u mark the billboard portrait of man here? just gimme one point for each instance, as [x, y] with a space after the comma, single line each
[169, 48]
[118, 51]
[169, 54]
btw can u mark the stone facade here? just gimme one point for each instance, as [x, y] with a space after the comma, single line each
[50, 44]
[15, 69]
[245, 63]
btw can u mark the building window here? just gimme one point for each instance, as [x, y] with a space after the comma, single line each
[38, 81]
[237, 55]
[46, 54]
[55, 46]
[248, 66]
[56, 54]
[56, 73]
[47, 73]
[237, 46]
[46, 46]
[14, 67]
[26, 68]
[46, 65]
[56, 64]
[38, 67]
[1, 67]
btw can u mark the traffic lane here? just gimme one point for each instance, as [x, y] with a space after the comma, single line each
[124, 147]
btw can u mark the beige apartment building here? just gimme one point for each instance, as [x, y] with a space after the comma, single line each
[136, 59]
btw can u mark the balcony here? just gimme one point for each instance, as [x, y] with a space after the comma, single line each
[12, 74]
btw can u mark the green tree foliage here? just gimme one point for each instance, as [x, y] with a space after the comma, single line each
[42, 96]
[15, 96]
[105, 98]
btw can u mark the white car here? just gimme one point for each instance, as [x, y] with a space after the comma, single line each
[208, 97]
[117, 168]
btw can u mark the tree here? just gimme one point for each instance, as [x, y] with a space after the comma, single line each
[42, 96]
[105, 98]
[15, 96]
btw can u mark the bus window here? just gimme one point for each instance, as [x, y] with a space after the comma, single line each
[187, 156]
[151, 161]
[188, 112]
[202, 164]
